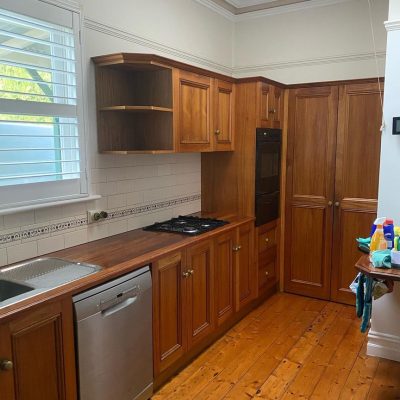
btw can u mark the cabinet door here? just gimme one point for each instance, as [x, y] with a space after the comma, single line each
[245, 267]
[194, 121]
[224, 276]
[41, 348]
[277, 108]
[357, 176]
[200, 291]
[224, 112]
[310, 190]
[265, 101]
[169, 336]
[266, 270]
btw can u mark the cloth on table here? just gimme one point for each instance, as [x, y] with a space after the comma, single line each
[381, 259]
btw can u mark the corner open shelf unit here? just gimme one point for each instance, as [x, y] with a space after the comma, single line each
[134, 96]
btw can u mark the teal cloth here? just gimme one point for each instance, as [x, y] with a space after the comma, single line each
[381, 259]
[364, 240]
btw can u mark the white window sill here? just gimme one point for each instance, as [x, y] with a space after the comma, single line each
[32, 207]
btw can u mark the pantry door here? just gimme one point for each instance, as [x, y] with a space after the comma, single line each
[356, 183]
[310, 190]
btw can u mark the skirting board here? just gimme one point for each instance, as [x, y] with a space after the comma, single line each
[383, 345]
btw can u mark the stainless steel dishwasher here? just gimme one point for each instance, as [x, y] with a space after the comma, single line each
[114, 339]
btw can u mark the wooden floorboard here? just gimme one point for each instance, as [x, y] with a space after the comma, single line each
[291, 347]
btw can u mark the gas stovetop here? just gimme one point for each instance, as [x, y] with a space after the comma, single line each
[187, 225]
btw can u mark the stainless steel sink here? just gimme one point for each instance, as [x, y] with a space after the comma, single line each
[10, 289]
[37, 276]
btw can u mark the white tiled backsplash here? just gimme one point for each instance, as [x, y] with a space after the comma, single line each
[136, 191]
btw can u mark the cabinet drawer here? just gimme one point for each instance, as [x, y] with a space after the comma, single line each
[266, 240]
[266, 274]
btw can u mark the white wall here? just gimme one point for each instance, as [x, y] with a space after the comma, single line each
[317, 44]
[384, 337]
[180, 29]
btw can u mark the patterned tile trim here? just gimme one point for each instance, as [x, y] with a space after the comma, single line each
[74, 223]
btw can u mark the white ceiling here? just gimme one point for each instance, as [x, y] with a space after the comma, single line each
[237, 7]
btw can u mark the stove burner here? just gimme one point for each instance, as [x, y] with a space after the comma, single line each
[186, 225]
[190, 229]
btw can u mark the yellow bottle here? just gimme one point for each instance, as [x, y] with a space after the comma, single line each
[378, 241]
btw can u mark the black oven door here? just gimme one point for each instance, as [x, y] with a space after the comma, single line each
[268, 165]
[267, 207]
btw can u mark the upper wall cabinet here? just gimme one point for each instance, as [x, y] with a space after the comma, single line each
[150, 104]
[270, 105]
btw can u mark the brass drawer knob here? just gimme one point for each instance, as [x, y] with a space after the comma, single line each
[190, 271]
[185, 274]
[6, 365]
[237, 248]
[266, 273]
[218, 132]
[266, 240]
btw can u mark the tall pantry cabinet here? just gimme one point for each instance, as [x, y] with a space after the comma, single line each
[332, 185]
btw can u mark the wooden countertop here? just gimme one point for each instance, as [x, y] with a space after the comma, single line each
[117, 255]
[366, 267]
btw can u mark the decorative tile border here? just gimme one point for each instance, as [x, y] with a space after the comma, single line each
[75, 223]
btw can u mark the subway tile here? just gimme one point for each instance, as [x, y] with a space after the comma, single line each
[3, 257]
[22, 252]
[116, 201]
[116, 174]
[97, 231]
[98, 175]
[19, 219]
[47, 214]
[158, 194]
[165, 169]
[76, 238]
[114, 228]
[51, 244]
[134, 198]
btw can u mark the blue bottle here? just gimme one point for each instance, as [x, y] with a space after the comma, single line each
[388, 231]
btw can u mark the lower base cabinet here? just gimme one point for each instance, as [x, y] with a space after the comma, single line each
[183, 302]
[37, 358]
[199, 289]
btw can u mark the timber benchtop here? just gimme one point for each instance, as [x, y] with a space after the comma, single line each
[118, 255]
[365, 266]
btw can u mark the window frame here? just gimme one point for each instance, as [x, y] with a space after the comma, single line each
[56, 13]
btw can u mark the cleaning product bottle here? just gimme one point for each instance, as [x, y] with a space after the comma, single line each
[378, 221]
[378, 241]
[388, 231]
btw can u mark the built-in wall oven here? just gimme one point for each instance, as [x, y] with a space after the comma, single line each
[268, 174]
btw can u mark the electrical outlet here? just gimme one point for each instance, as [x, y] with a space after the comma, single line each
[96, 216]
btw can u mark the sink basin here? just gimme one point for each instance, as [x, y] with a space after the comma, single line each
[10, 289]
[20, 281]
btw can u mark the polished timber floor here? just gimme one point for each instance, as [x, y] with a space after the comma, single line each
[290, 347]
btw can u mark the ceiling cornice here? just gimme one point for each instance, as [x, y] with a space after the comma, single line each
[392, 25]
[303, 5]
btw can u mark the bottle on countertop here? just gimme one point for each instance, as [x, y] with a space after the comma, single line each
[388, 230]
[378, 241]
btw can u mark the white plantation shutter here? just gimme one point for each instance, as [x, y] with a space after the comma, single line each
[41, 146]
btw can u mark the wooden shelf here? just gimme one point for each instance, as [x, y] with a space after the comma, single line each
[364, 265]
[136, 109]
[138, 152]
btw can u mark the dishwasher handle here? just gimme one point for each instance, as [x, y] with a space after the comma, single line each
[118, 307]
[120, 301]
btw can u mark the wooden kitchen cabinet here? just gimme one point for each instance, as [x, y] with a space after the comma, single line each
[224, 115]
[245, 267]
[200, 291]
[270, 105]
[266, 251]
[183, 302]
[332, 185]
[194, 96]
[169, 311]
[40, 345]
[224, 276]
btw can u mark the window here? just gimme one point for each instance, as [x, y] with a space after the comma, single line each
[41, 145]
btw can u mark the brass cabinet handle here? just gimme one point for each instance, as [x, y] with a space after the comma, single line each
[237, 248]
[272, 111]
[330, 203]
[266, 273]
[266, 240]
[218, 132]
[185, 274]
[337, 204]
[190, 271]
[6, 365]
